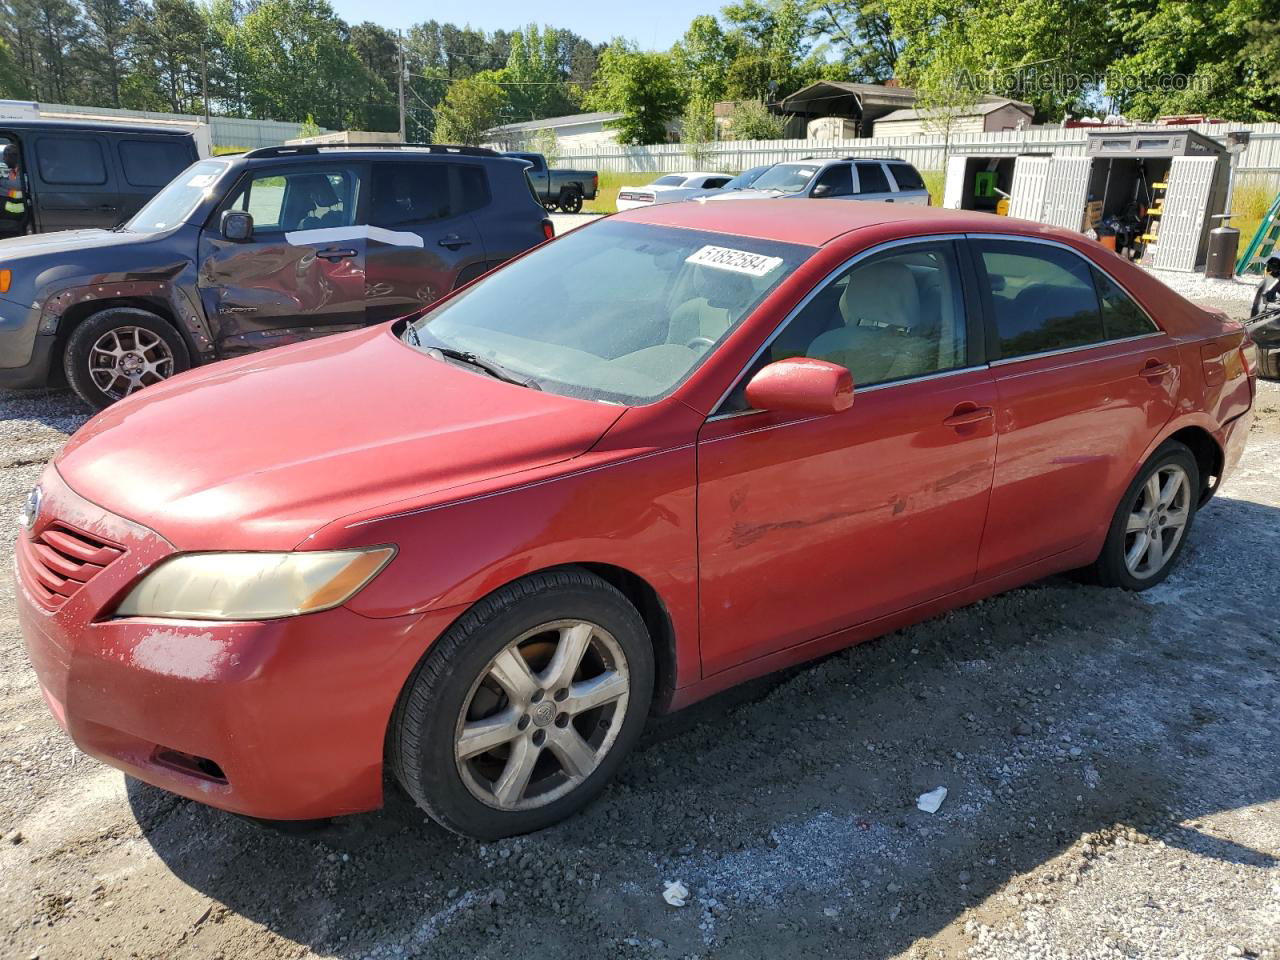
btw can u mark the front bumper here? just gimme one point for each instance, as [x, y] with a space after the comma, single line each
[35, 371]
[283, 719]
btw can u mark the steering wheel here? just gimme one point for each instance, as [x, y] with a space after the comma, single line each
[706, 343]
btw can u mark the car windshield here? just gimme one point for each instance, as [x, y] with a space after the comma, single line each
[786, 177]
[746, 178]
[617, 312]
[172, 205]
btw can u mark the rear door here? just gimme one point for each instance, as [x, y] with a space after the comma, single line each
[871, 182]
[1085, 381]
[423, 237]
[909, 182]
[302, 274]
[146, 164]
[73, 179]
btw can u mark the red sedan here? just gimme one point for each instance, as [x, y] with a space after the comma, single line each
[667, 452]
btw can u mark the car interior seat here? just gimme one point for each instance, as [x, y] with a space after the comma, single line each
[879, 307]
[311, 200]
[716, 294]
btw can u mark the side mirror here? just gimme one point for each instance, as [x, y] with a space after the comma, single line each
[821, 190]
[236, 226]
[802, 385]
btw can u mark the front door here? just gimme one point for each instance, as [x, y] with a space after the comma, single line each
[302, 273]
[807, 525]
[73, 179]
[423, 239]
[1085, 382]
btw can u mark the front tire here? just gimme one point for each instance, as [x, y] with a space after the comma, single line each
[118, 351]
[1152, 522]
[523, 710]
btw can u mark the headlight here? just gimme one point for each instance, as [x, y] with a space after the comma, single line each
[253, 586]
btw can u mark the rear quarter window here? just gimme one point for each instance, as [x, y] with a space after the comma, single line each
[907, 176]
[152, 163]
[71, 160]
[1121, 316]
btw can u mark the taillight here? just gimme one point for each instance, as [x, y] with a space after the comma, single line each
[595, 183]
[1249, 357]
[548, 230]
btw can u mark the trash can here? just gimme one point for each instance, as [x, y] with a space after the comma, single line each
[1220, 262]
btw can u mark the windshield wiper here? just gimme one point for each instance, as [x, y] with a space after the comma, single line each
[494, 369]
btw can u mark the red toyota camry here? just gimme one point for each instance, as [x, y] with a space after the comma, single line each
[662, 454]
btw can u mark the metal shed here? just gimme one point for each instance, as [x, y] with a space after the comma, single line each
[1150, 193]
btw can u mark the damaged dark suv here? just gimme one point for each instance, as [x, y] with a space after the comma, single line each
[245, 252]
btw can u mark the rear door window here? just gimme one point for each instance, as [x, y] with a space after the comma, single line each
[409, 193]
[71, 161]
[872, 179]
[1042, 297]
[152, 163]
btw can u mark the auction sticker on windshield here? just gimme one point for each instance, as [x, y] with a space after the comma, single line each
[737, 261]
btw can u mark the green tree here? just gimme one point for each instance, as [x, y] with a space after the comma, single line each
[300, 62]
[169, 61]
[472, 107]
[108, 43]
[644, 87]
[377, 49]
[751, 120]
[863, 34]
[533, 75]
[947, 87]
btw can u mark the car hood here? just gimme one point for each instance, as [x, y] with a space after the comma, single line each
[64, 241]
[751, 195]
[260, 452]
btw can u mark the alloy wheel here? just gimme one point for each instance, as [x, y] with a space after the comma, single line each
[128, 358]
[1157, 521]
[542, 715]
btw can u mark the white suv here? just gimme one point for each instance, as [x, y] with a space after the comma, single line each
[886, 179]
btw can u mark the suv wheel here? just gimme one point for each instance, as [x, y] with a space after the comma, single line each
[120, 350]
[522, 711]
[570, 200]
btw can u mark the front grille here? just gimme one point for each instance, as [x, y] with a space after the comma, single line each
[61, 560]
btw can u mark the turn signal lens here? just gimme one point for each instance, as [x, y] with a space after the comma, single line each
[253, 586]
[6, 277]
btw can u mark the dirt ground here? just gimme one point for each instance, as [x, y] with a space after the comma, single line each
[1110, 760]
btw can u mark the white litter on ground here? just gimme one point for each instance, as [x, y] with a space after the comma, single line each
[676, 893]
[930, 802]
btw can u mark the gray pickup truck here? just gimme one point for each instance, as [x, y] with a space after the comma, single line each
[565, 189]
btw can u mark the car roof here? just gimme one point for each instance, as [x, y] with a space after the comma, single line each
[396, 151]
[100, 126]
[817, 222]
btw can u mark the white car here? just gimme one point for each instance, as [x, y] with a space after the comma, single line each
[670, 188]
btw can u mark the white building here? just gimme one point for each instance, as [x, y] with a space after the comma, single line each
[988, 116]
[575, 130]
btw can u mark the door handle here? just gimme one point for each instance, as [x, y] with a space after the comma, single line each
[889, 200]
[453, 241]
[1156, 369]
[966, 415]
[334, 255]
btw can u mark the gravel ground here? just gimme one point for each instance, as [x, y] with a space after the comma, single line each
[1110, 761]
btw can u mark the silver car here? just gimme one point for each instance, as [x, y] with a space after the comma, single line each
[887, 179]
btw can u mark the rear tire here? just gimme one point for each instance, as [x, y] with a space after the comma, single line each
[1152, 522]
[120, 350]
[570, 200]
[523, 710]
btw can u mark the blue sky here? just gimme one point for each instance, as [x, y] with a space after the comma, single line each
[654, 24]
